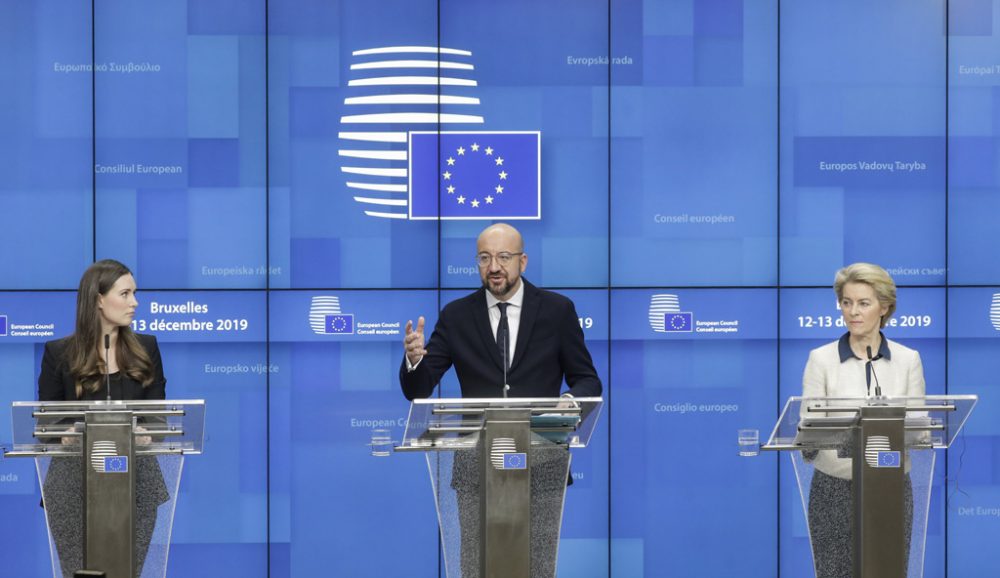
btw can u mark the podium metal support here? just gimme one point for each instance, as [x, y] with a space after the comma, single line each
[505, 479]
[890, 441]
[880, 539]
[109, 493]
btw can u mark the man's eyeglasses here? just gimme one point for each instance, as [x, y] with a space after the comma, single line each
[503, 259]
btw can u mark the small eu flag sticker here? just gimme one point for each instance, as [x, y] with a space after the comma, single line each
[342, 324]
[679, 322]
[116, 464]
[517, 461]
[888, 459]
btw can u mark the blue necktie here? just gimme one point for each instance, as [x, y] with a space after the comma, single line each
[503, 335]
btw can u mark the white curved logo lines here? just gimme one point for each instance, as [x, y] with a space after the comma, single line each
[878, 454]
[104, 458]
[995, 311]
[665, 315]
[873, 446]
[326, 318]
[396, 89]
[504, 455]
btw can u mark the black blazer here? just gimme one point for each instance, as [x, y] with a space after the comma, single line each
[56, 383]
[549, 347]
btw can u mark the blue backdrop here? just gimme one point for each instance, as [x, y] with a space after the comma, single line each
[715, 159]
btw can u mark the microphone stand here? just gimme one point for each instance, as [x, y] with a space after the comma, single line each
[107, 364]
[870, 372]
[506, 361]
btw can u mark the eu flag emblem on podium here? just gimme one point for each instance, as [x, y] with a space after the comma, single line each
[888, 459]
[515, 461]
[475, 175]
[116, 464]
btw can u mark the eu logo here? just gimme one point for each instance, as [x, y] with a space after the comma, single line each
[475, 175]
[888, 459]
[340, 324]
[680, 322]
[116, 464]
[516, 461]
[3, 325]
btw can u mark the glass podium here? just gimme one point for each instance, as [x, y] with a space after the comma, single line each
[881, 450]
[499, 469]
[109, 473]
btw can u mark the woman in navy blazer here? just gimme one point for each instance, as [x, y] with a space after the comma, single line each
[76, 368]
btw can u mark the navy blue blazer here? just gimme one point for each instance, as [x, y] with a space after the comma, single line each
[57, 383]
[549, 347]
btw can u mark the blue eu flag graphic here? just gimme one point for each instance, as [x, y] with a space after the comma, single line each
[677, 321]
[116, 464]
[517, 461]
[888, 459]
[475, 175]
[343, 323]
[3, 325]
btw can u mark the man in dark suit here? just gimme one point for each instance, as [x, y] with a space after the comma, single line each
[534, 334]
[540, 329]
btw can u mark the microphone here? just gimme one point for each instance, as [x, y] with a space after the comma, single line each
[870, 372]
[107, 363]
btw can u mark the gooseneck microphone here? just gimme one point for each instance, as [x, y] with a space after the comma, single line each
[107, 363]
[503, 336]
[870, 372]
[506, 362]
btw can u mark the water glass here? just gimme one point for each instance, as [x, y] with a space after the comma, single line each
[749, 442]
[381, 442]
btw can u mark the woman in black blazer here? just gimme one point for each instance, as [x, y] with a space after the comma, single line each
[75, 368]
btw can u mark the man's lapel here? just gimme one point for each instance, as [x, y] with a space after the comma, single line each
[482, 317]
[529, 312]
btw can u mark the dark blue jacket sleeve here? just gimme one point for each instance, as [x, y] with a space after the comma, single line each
[421, 382]
[578, 367]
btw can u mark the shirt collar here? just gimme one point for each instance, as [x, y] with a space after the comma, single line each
[515, 300]
[844, 346]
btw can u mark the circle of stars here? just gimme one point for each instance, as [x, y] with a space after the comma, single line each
[493, 195]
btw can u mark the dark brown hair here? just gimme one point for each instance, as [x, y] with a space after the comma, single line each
[85, 345]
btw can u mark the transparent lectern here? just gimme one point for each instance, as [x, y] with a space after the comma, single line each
[499, 469]
[885, 446]
[109, 473]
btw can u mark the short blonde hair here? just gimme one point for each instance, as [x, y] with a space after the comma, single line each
[875, 277]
